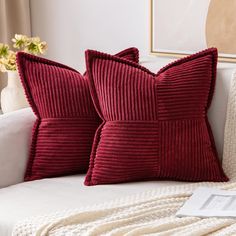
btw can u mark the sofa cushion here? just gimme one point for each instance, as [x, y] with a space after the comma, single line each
[154, 126]
[15, 138]
[66, 119]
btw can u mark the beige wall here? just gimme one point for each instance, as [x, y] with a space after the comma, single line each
[14, 18]
[72, 26]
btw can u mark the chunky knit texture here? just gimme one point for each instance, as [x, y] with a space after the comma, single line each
[66, 119]
[154, 126]
[147, 213]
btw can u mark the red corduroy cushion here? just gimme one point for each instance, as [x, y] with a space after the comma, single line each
[154, 126]
[66, 119]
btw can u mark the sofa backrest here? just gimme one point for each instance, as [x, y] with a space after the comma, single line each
[15, 138]
[15, 127]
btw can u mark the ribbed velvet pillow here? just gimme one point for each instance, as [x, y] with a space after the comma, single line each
[154, 126]
[66, 119]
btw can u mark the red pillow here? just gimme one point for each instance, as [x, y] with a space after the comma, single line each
[66, 119]
[154, 126]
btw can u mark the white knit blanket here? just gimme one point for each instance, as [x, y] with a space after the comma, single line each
[149, 213]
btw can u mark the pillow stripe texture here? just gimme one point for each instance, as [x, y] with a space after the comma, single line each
[66, 118]
[154, 125]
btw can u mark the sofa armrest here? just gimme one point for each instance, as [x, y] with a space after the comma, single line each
[15, 138]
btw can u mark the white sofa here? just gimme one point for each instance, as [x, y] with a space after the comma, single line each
[21, 200]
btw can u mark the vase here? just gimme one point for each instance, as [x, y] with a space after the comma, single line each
[13, 96]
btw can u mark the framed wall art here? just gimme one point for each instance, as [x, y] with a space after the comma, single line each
[181, 27]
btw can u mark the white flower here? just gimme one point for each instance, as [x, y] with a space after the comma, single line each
[4, 49]
[19, 41]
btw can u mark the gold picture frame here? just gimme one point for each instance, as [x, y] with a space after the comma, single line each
[167, 53]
